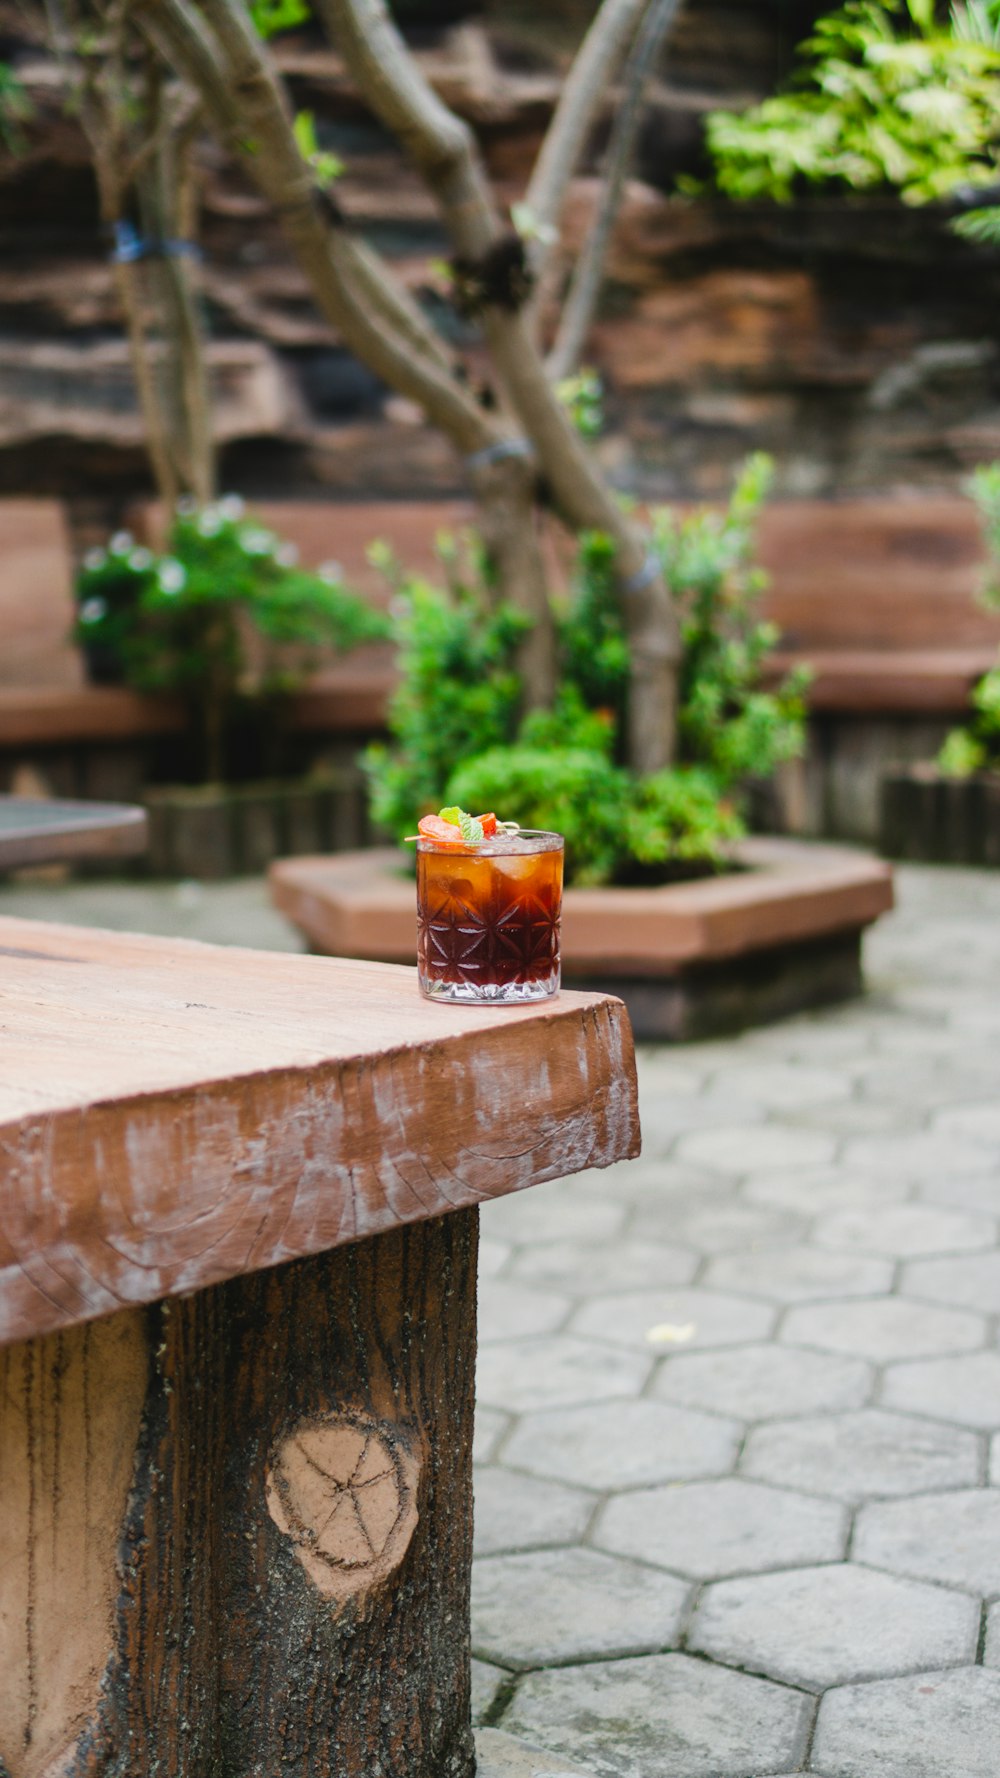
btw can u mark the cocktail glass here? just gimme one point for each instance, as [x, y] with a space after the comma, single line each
[488, 918]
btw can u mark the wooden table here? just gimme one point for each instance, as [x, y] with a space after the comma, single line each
[42, 831]
[238, 1231]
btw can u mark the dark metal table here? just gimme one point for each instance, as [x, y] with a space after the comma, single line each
[37, 830]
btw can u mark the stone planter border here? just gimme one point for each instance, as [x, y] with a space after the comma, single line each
[216, 831]
[779, 935]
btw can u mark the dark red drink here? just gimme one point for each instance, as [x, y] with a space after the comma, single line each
[488, 918]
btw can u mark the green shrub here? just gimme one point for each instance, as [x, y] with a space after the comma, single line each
[224, 619]
[459, 737]
[883, 96]
[976, 746]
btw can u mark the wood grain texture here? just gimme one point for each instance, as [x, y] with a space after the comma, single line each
[214, 1642]
[172, 1114]
[36, 596]
[70, 1410]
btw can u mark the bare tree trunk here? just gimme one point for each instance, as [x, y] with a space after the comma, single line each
[588, 273]
[216, 49]
[443, 148]
[170, 176]
[283, 1466]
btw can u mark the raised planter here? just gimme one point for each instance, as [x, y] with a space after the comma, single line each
[778, 935]
[930, 819]
[213, 831]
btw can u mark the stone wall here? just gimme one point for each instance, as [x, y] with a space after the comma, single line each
[856, 341]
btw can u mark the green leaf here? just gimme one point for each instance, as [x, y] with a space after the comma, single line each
[271, 16]
[327, 167]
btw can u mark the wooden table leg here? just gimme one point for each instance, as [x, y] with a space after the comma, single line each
[270, 1483]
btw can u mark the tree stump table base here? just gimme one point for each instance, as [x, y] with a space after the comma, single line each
[238, 1226]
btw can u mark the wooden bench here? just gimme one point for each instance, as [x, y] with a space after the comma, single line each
[237, 1338]
[71, 736]
[878, 595]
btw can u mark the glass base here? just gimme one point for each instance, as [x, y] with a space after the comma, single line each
[489, 993]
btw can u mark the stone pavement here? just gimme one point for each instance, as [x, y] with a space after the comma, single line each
[738, 1483]
[738, 1505]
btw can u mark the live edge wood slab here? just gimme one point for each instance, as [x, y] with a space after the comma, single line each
[237, 1334]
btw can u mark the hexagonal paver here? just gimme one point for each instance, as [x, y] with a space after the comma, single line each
[814, 1191]
[718, 1228]
[662, 1714]
[519, 1512]
[819, 1627]
[710, 1529]
[917, 1156]
[977, 1120]
[554, 1606]
[853, 1117]
[965, 1390]
[930, 1725]
[966, 1283]
[883, 1328]
[902, 1231]
[506, 1756]
[798, 1274]
[781, 1085]
[653, 1180]
[979, 1192]
[991, 1647]
[493, 1256]
[583, 1267]
[623, 1444]
[862, 1456]
[762, 1382]
[490, 1427]
[524, 1374]
[508, 1311]
[542, 1214]
[747, 1148]
[665, 1117]
[953, 1538]
[486, 1682]
[643, 1319]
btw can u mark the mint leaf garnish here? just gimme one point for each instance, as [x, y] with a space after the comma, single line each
[472, 830]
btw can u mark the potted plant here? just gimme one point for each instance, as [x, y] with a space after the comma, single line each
[669, 902]
[227, 622]
[947, 810]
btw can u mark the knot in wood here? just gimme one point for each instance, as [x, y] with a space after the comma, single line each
[342, 1488]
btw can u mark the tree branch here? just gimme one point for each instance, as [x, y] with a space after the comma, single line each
[588, 274]
[443, 148]
[584, 93]
[435, 140]
[214, 46]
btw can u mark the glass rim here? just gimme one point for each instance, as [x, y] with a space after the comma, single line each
[494, 847]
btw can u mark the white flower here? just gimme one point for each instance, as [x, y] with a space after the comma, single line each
[172, 575]
[257, 542]
[94, 559]
[210, 522]
[187, 506]
[140, 559]
[92, 610]
[331, 571]
[121, 543]
[232, 506]
[286, 555]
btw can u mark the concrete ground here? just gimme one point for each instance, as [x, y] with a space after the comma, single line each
[738, 1483]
